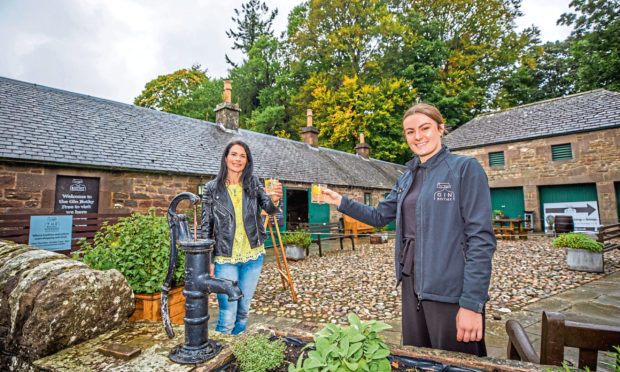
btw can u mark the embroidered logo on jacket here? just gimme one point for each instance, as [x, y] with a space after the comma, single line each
[443, 192]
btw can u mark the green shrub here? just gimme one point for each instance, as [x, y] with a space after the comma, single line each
[577, 241]
[138, 246]
[298, 237]
[257, 354]
[353, 348]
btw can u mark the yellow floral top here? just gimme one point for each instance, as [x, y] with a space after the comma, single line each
[242, 250]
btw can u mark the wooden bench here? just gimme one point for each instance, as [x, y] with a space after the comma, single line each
[327, 231]
[558, 333]
[355, 226]
[504, 232]
[608, 233]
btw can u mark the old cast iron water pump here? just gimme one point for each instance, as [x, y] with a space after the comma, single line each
[198, 284]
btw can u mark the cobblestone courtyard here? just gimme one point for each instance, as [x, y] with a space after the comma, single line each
[329, 287]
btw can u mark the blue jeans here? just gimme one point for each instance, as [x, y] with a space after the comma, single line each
[233, 317]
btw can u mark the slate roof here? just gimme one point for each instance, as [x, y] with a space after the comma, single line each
[588, 111]
[47, 125]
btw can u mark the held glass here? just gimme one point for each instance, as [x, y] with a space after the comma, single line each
[316, 195]
[270, 186]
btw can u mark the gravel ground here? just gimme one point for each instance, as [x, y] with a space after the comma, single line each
[329, 287]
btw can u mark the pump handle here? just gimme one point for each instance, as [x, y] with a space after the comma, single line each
[179, 230]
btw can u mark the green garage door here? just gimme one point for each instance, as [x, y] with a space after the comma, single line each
[617, 186]
[508, 199]
[566, 193]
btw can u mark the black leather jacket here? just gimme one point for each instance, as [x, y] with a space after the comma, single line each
[218, 216]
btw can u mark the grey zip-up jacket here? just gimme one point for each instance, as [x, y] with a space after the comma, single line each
[218, 216]
[454, 233]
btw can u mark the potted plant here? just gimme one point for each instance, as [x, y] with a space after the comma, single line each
[582, 252]
[296, 244]
[379, 235]
[498, 213]
[139, 247]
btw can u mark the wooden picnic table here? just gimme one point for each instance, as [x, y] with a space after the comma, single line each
[509, 228]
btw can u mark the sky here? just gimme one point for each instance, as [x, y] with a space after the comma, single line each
[111, 48]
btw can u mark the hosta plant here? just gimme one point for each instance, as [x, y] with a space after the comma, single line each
[353, 348]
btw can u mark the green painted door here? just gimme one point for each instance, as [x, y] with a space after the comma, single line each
[390, 226]
[566, 193]
[508, 199]
[617, 186]
[317, 213]
[281, 218]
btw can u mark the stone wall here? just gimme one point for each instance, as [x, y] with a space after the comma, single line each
[596, 159]
[49, 301]
[30, 189]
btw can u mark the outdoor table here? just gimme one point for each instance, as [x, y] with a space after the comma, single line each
[510, 227]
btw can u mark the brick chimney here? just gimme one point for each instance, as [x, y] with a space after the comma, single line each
[362, 149]
[227, 113]
[310, 134]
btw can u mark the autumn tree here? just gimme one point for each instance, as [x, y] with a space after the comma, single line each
[184, 92]
[376, 110]
[253, 21]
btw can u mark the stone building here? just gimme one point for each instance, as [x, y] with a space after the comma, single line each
[64, 152]
[558, 156]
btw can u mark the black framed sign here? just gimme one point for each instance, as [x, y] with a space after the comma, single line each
[76, 195]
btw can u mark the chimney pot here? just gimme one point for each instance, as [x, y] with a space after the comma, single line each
[226, 113]
[227, 90]
[362, 149]
[310, 134]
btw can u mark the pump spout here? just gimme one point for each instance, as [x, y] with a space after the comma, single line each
[220, 285]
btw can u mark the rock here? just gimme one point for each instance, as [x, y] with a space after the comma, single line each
[497, 316]
[49, 302]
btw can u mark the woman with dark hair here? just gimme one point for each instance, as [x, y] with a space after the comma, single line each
[231, 208]
[444, 238]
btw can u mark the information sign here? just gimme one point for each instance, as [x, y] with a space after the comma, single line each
[76, 195]
[52, 233]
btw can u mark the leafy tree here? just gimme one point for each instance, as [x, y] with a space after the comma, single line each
[552, 76]
[183, 92]
[253, 21]
[595, 43]
[375, 110]
[480, 48]
[257, 74]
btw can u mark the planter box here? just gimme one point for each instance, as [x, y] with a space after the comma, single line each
[584, 260]
[295, 252]
[148, 306]
[379, 238]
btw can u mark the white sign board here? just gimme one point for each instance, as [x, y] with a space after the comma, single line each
[585, 214]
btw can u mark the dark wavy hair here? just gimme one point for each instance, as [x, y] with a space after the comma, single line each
[246, 175]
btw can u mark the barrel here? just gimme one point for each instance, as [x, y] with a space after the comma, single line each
[564, 224]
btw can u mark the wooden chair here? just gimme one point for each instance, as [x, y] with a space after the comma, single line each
[558, 333]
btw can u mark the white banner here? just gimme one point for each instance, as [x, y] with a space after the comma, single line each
[585, 214]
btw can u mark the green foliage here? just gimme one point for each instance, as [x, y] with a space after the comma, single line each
[138, 246]
[300, 238]
[595, 45]
[353, 348]
[498, 212]
[616, 356]
[577, 241]
[257, 354]
[253, 21]
[379, 229]
[184, 92]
